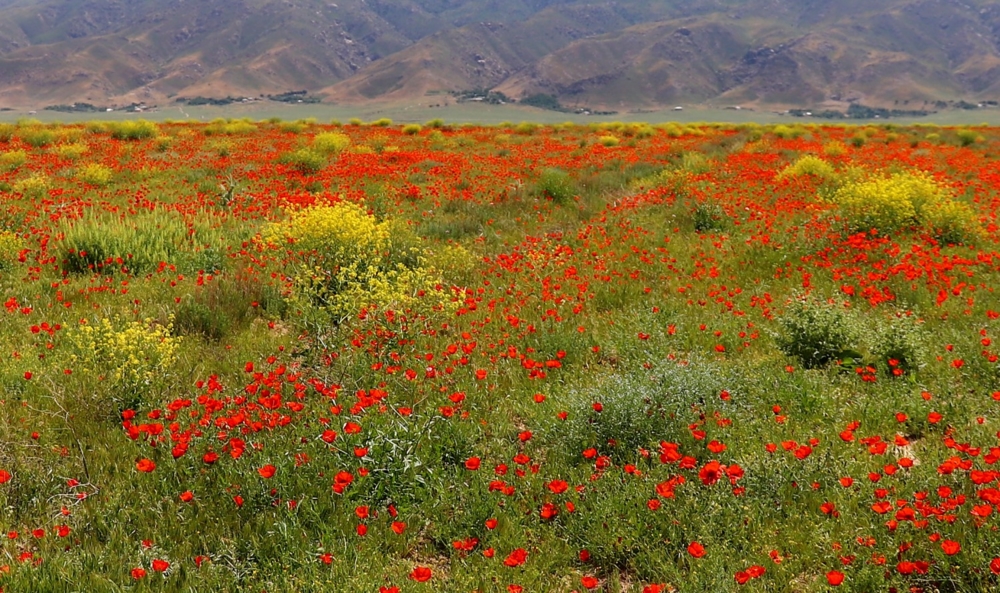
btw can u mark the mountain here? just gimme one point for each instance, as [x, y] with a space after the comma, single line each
[583, 52]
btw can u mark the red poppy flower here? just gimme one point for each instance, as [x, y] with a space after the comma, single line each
[995, 566]
[421, 574]
[695, 549]
[267, 471]
[398, 527]
[187, 496]
[160, 565]
[710, 473]
[516, 558]
[951, 547]
[145, 465]
[4, 476]
[589, 582]
[138, 573]
[834, 578]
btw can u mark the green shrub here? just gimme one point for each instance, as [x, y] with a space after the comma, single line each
[898, 342]
[708, 217]
[412, 129]
[72, 151]
[608, 141]
[816, 332]
[557, 185]
[140, 243]
[384, 122]
[6, 132]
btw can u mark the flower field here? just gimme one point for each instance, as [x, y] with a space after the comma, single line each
[294, 356]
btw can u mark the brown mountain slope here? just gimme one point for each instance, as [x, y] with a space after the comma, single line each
[586, 52]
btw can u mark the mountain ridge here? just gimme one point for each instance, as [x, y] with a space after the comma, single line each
[634, 53]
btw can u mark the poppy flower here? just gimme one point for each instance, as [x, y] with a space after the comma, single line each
[187, 496]
[145, 465]
[138, 573]
[398, 527]
[995, 566]
[834, 578]
[696, 549]
[421, 574]
[160, 565]
[473, 463]
[589, 582]
[4, 476]
[516, 558]
[267, 471]
[950, 547]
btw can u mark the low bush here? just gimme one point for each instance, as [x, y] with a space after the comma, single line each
[817, 332]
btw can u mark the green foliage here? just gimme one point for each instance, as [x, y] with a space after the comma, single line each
[384, 122]
[557, 185]
[708, 217]
[139, 243]
[608, 141]
[6, 132]
[412, 129]
[898, 341]
[817, 332]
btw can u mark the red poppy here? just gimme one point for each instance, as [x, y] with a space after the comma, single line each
[145, 465]
[421, 574]
[187, 496]
[516, 558]
[835, 578]
[696, 549]
[951, 547]
[472, 463]
[4, 476]
[267, 471]
[995, 566]
[710, 473]
[160, 565]
[138, 573]
[589, 582]
[398, 527]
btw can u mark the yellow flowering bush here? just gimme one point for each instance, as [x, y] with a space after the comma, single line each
[34, 187]
[331, 143]
[901, 200]
[12, 160]
[71, 151]
[347, 261]
[809, 165]
[95, 174]
[10, 249]
[127, 355]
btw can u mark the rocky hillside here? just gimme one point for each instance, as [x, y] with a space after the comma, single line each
[583, 52]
